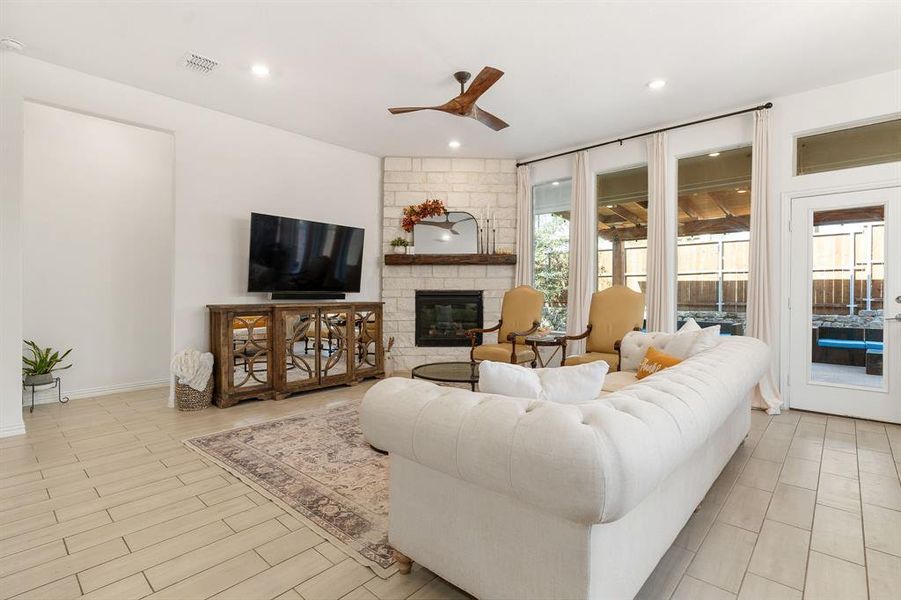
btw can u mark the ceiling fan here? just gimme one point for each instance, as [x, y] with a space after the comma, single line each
[464, 105]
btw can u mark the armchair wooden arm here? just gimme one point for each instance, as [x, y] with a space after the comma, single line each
[567, 338]
[471, 334]
[617, 345]
[511, 337]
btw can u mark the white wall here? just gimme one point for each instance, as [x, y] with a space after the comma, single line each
[98, 231]
[854, 102]
[225, 167]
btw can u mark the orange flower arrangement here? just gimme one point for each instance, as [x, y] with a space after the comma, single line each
[415, 213]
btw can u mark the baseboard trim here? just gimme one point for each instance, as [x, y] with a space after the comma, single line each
[9, 431]
[49, 396]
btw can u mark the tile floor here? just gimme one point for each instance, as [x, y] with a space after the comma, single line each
[101, 500]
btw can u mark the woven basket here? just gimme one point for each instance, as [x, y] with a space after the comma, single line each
[187, 398]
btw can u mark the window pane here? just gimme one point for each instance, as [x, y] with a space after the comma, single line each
[551, 205]
[714, 238]
[622, 204]
[853, 147]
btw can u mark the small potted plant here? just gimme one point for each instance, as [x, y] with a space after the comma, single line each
[38, 368]
[400, 245]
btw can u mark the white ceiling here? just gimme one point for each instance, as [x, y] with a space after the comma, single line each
[576, 72]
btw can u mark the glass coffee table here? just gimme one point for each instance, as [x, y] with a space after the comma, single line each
[448, 372]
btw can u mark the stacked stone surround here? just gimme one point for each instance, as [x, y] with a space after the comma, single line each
[467, 184]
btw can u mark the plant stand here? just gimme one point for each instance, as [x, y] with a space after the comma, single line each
[56, 384]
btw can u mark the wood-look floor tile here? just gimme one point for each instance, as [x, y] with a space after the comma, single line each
[723, 557]
[839, 492]
[114, 570]
[76, 509]
[335, 582]
[32, 557]
[148, 503]
[838, 533]
[781, 554]
[760, 474]
[400, 587]
[286, 546]
[61, 589]
[745, 508]
[666, 575]
[182, 567]
[872, 440]
[438, 589]
[39, 537]
[214, 580]
[842, 442]
[139, 522]
[792, 505]
[695, 589]
[831, 578]
[839, 463]
[130, 588]
[39, 575]
[279, 579]
[801, 473]
[755, 587]
[882, 529]
[883, 575]
[879, 463]
[880, 490]
[167, 529]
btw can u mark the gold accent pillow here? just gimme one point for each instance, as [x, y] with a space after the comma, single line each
[655, 361]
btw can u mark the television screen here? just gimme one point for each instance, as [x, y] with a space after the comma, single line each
[292, 255]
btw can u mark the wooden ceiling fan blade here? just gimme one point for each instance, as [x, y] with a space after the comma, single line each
[486, 118]
[486, 78]
[406, 109]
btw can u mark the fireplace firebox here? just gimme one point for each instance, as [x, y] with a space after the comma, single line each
[444, 316]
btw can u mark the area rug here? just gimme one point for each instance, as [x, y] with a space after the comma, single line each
[317, 466]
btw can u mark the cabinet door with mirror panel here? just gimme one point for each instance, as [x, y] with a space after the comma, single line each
[249, 351]
[300, 330]
[367, 341]
[335, 334]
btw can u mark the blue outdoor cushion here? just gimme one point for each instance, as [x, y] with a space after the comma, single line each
[846, 344]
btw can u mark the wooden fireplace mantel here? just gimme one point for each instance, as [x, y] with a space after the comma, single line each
[450, 259]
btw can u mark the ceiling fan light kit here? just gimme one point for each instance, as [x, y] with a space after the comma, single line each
[464, 105]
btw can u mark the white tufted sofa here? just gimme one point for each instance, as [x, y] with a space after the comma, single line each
[516, 498]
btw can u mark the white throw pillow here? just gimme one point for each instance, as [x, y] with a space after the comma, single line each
[567, 385]
[682, 341]
[508, 380]
[575, 384]
[707, 338]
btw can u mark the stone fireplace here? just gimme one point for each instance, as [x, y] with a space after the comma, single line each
[444, 316]
[469, 184]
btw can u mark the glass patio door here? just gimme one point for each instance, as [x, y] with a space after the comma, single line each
[845, 304]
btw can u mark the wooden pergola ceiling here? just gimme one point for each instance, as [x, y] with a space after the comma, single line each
[714, 197]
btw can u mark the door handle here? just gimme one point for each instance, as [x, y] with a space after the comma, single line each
[896, 317]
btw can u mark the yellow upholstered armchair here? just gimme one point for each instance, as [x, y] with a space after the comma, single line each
[614, 312]
[520, 316]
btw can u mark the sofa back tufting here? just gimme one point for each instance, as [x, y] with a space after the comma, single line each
[588, 463]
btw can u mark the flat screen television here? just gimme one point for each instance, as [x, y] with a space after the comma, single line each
[293, 255]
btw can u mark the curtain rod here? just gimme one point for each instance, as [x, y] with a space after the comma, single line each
[646, 133]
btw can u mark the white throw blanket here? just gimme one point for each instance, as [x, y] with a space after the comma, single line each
[192, 368]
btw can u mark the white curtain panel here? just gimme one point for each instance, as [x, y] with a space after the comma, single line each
[582, 251]
[661, 313]
[760, 315]
[524, 217]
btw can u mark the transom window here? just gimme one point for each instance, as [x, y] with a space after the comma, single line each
[850, 147]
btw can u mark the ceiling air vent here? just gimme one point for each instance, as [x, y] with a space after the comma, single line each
[201, 64]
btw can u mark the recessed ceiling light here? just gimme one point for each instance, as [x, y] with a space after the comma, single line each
[657, 84]
[742, 191]
[555, 183]
[713, 154]
[610, 205]
[260, 70]
[453, 144]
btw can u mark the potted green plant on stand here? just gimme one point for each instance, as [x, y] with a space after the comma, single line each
[38, 368]
[400, 245]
